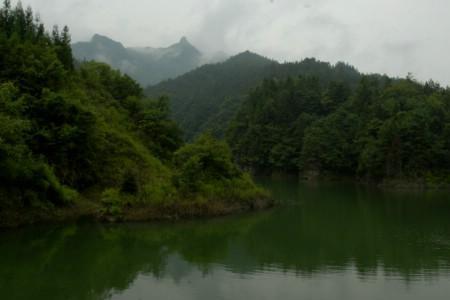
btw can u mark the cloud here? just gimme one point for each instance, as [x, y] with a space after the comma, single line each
[395, 37]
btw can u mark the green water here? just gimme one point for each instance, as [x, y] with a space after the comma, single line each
[323, 242]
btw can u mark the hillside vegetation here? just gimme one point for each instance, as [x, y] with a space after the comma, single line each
[71, 136]
[381, 130]
[208, 98]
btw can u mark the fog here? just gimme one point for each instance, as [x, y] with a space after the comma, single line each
[383, 36]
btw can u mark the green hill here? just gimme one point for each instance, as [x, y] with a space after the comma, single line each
[209, 97]
[76, 141]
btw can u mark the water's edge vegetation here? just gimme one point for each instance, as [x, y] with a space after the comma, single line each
[81, 140]
[78, 139]
[383, 131]
[322, 233]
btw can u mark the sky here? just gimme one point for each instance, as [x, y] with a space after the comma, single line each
[383, 36]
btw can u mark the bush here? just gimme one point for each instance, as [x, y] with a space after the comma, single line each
[206, 172]
[112, 202]
[205, 160]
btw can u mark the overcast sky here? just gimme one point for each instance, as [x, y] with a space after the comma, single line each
[385, 36]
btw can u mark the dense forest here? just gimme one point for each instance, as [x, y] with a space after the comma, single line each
[318, 119]
[209, 97]
[381, 129]
[81, 134]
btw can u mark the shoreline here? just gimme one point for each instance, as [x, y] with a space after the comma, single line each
[416, 184]
[92, 212]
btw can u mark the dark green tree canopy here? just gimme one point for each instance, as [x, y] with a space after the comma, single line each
[381, 128]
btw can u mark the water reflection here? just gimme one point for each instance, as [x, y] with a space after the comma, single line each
[342, 239]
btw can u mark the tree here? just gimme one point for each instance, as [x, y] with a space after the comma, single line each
[161, 134]
[65, 49]
[205, 160]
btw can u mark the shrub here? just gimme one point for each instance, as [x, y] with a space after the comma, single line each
[112, 202]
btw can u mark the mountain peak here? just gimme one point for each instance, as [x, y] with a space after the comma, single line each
[147, 65]
[185, 47]
[101, 39]
[248, 57]
[184, 40]
[98, 38]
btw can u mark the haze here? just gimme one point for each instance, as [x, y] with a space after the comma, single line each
[393, 37]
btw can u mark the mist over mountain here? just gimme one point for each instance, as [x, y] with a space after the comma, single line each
[147, 65]
[207, 98]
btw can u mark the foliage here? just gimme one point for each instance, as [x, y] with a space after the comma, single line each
[161, 134]
[22, 40]
[112, 202]
[209, 97]
[205, 159]
[67, 131]
[206, 168]
[380, 129]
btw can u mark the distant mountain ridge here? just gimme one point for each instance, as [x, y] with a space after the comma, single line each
[147, 65]
[208, 97]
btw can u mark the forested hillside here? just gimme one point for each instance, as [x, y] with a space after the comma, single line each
[85, 135]
[209, 97]
[381, 130]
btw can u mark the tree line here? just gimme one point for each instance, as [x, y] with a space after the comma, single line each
[381, 129]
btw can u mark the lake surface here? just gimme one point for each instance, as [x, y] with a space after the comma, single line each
[327, 241]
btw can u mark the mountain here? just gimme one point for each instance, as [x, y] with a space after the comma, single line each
[147, 65]
[209, 97]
